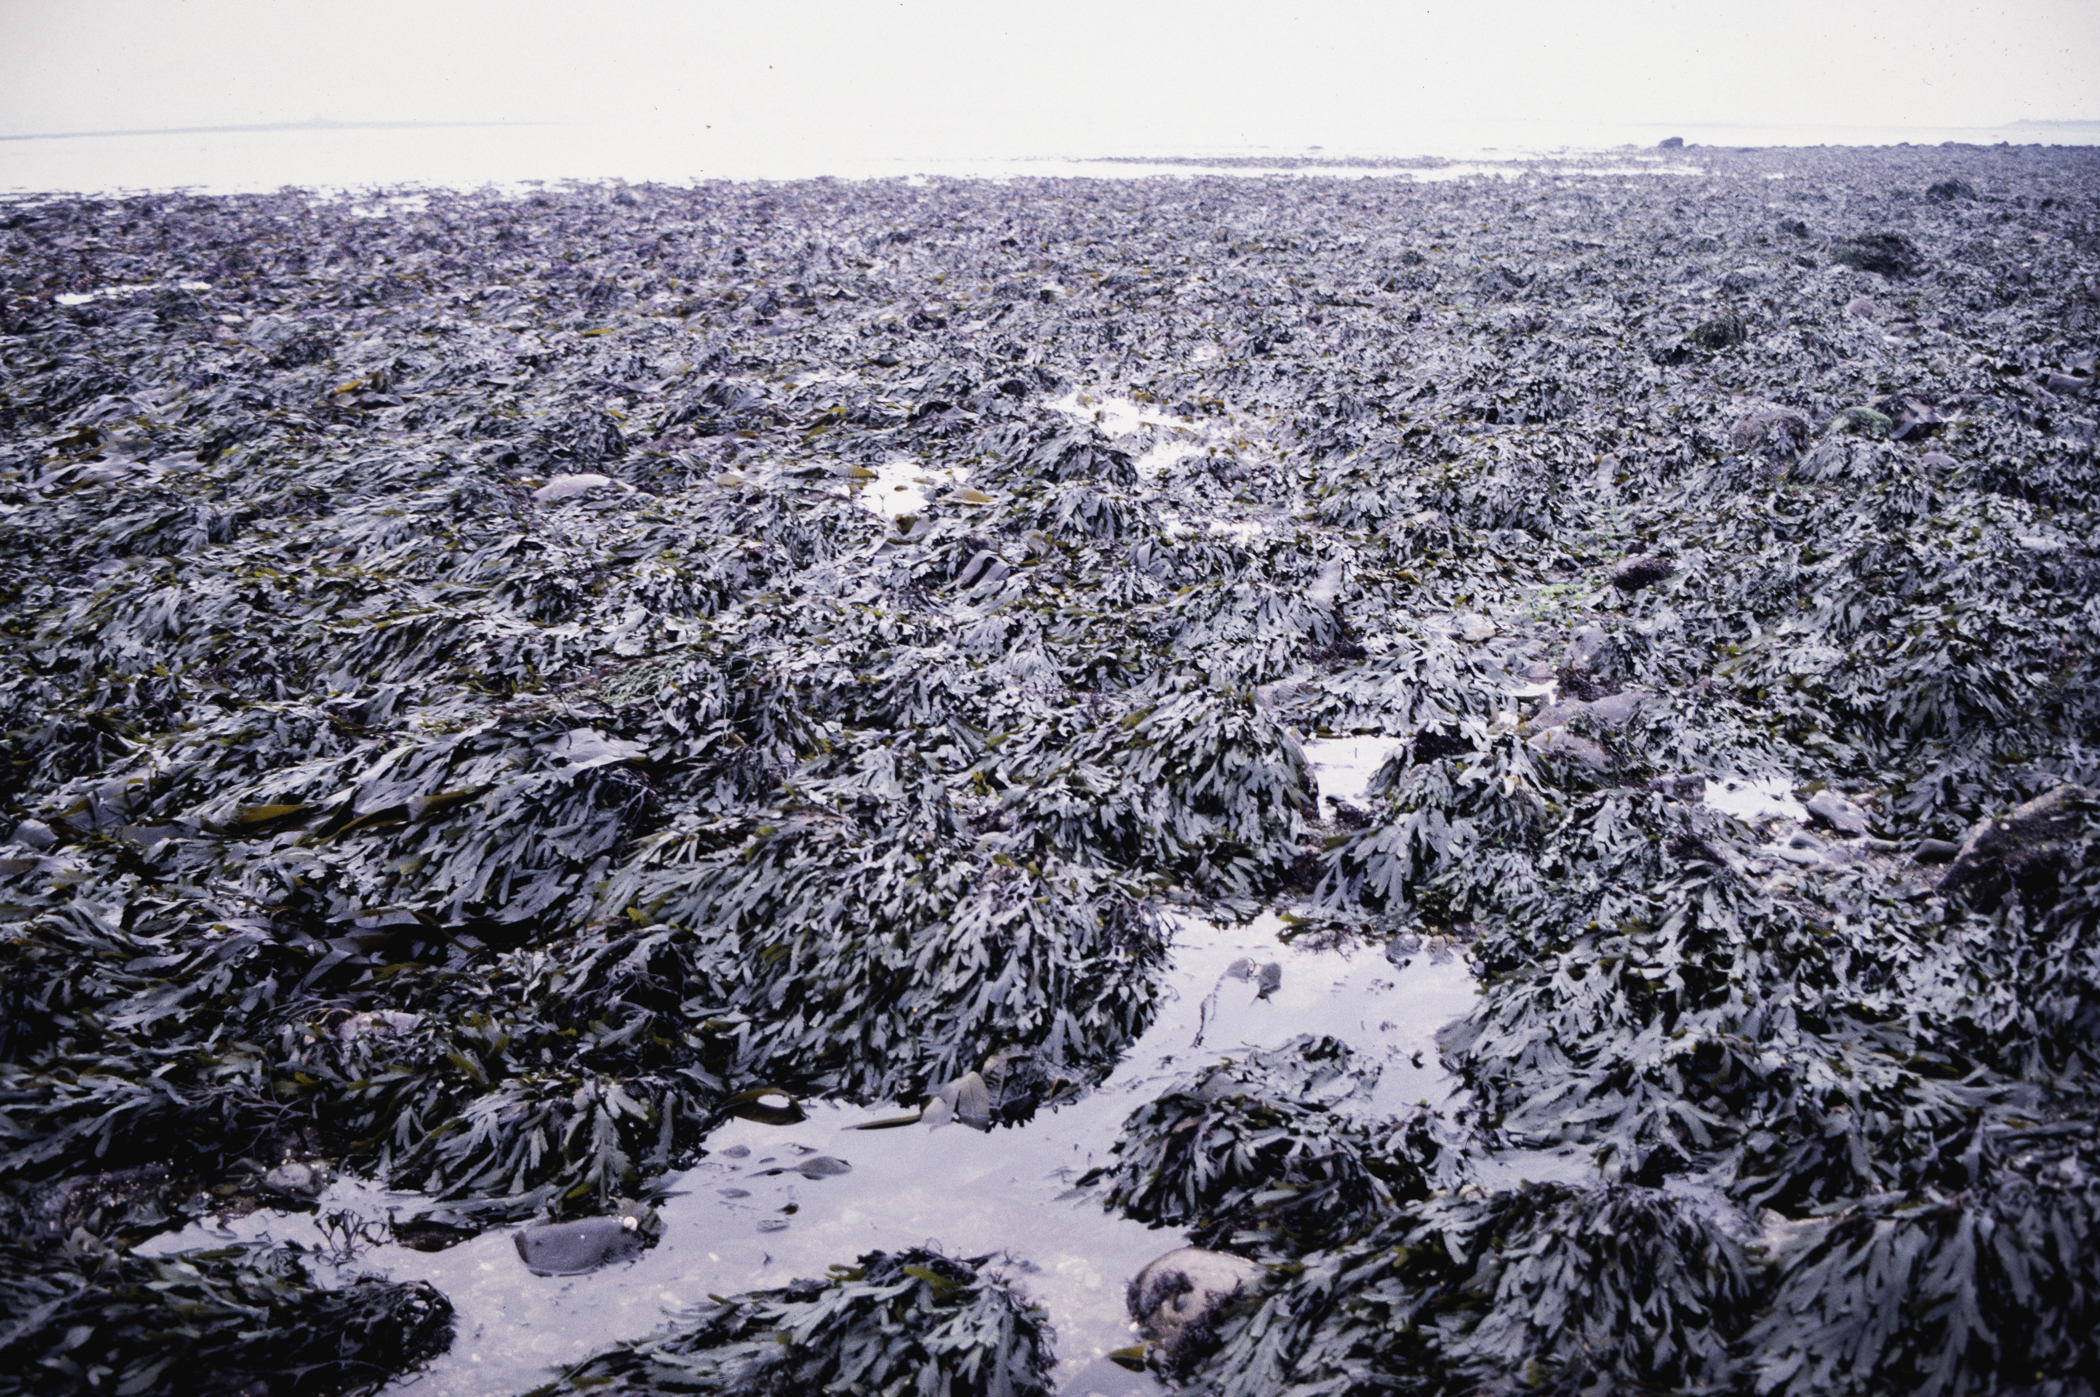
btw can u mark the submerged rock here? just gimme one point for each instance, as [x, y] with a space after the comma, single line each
[581, 1246]
[1177, 1298]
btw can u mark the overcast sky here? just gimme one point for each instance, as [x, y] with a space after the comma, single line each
[916, 75]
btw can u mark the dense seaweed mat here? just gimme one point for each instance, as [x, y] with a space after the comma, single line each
[465, 723]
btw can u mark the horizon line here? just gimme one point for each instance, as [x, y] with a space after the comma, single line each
[316, 124]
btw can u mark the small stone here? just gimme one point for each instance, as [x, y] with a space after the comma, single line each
[584, 1245]
[823, 1166]
[1936, 851]
[33, 834]
[1861, 308]
[1269, 980]
[297, 1179]
[1474, 627]
[565, 487]
[1176, 1299]
[1839, 813]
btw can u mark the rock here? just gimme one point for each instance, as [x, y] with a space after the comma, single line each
[1804, 848]
[822, 1166]
[436, 1230]
[1591, 666]
[1019, 1081]
[1558, 741]
[1745, 279]
[1690, 787]
[575, 1248]
[1612, 710]
[966, 1099]
[1642, 570]
[1937, 460]
[1861, 308]
[1834, 810]
[1946, 190]
[1473, 626]
[1792, 227]
[33, 834]
[1935, 851]
[566, 487]
[1886, 254]
[297, 1179]
[1177, 1298]
[1720, 332]
[2065, 385]
[1670, 143]
[2022, 850]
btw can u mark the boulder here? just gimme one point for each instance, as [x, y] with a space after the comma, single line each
[1946, 190]
[2023, 850]
[1177, 1298]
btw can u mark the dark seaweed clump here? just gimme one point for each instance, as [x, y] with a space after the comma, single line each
[461, 725]
[914, 1322]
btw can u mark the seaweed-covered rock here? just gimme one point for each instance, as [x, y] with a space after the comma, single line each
[1177, 1300]
[913, 1321]
[1263, 1150]
[2023, 850]
[1888, 253]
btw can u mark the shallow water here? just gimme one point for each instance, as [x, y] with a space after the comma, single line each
[731, 1225]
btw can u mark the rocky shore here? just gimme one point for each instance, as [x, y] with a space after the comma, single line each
[495, 685]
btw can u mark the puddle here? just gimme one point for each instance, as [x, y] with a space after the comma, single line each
[905, 487]
[732, 1225]
[1343, 766]
[1759, 798]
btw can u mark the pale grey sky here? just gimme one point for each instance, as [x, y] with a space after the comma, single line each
[917, 75]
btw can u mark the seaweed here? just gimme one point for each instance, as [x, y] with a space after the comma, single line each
[913, 1321]
[492, 685]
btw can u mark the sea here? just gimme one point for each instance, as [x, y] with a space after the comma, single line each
[325, 156]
